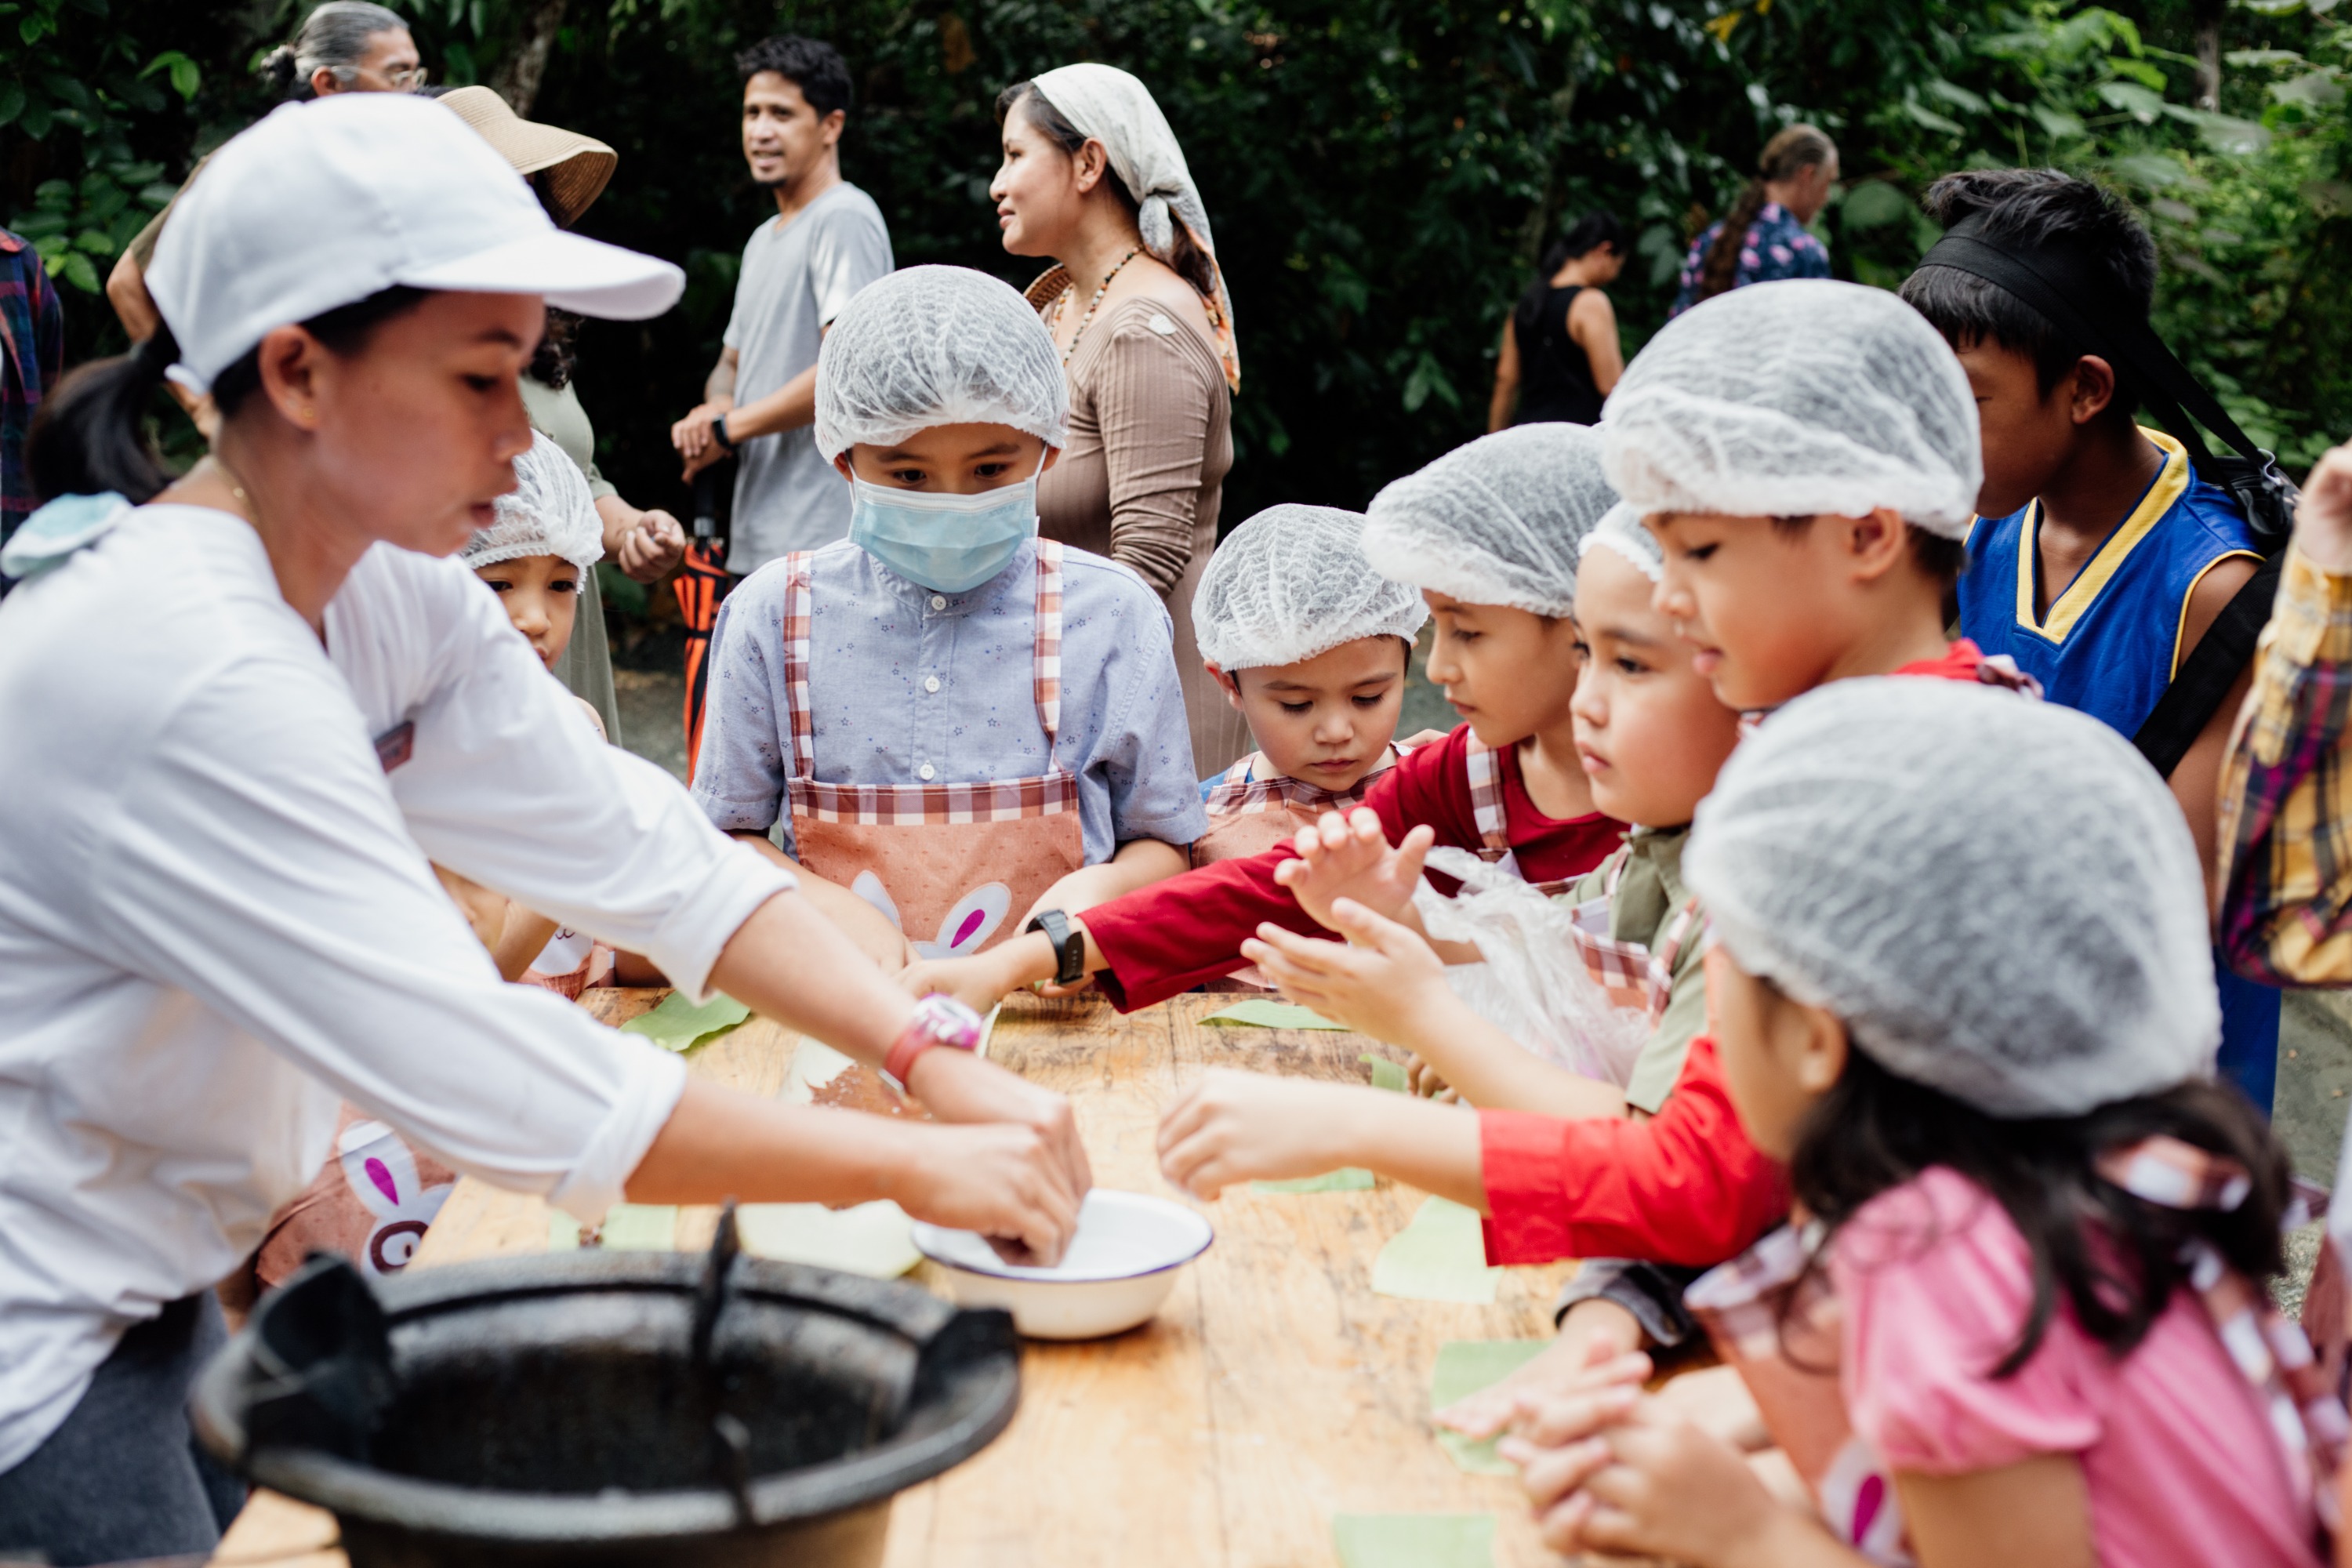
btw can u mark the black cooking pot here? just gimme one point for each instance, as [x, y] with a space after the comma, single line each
[609, 1408]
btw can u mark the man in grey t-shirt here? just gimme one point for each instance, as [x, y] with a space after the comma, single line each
[826, 242]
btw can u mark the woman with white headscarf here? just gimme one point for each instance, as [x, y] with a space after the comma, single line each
[1094, 179]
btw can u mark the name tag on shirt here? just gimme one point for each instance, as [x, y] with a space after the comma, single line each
[393, 746]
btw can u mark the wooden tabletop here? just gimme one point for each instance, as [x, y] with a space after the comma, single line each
[1272, 1391]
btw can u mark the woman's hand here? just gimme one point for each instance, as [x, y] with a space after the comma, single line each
[1613, 1470]
[1236, 1127]
[1382, 982]
[1005, 1181]
[1349, 857]
[957, 1085]
[2323, 521]
[653, 544]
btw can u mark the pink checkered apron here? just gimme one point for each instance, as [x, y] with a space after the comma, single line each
[953, 865]
[1248, 816]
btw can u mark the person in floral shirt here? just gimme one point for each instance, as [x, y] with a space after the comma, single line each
[1763, 238]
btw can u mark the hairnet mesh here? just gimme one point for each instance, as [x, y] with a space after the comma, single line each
[1622, 530]
[549, 512]
[937, 345]
[1291, 583]
[1997, 895]
[1794, 399]
[1496, 521]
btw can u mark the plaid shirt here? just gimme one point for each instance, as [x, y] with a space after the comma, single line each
[2286, 829]
[32, 356]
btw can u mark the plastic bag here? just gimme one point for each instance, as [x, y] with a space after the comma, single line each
[1533, 986]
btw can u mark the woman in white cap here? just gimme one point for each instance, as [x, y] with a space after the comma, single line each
[1094, 179]
[243, 716]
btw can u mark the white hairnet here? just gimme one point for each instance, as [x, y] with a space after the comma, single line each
[549, 512]
[1291, 583]
[1116, 110]
[1794, 399]
[1998, 895]
[1622, 530]
[937, 345]
[1498, 522]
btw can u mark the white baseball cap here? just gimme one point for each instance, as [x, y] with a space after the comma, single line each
[326, 203]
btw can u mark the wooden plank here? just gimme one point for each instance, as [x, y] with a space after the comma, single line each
[1272, 1390]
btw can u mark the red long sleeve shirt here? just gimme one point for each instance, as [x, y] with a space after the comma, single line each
[1173, 935]
[1685, 1186]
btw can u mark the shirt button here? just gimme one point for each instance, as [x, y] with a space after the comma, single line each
[931, 683]
[926, 772]
[939, 601]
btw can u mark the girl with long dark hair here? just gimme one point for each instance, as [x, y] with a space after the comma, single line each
[1961, 986]
[1560, 353]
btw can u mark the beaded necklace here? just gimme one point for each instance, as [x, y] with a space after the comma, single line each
[1092, 305]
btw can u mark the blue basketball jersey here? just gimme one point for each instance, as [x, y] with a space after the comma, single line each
[2110, 644]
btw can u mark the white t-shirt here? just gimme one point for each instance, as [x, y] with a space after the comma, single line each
[216, 918]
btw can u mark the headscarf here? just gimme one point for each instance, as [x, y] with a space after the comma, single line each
[1107, 104]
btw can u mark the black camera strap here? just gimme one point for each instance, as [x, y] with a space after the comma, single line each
[2060, 285]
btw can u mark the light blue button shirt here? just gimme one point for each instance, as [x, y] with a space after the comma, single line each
[907, 685]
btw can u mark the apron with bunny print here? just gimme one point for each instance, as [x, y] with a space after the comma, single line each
[952, 864]
[372, 1203]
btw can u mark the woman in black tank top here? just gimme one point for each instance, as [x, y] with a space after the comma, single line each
[1543, 372]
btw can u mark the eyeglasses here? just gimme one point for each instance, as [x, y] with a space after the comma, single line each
[410, 79]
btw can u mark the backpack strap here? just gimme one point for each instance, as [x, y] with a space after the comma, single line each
[2212, 667]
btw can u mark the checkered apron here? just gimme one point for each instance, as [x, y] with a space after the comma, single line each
[1634, 974]
[952, 864]
[1250, 815]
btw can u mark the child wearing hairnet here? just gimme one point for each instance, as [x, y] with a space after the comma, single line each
[1961, 986]
[1488, 534]
[953, 726]
[1646, 1165]
[1311, 645]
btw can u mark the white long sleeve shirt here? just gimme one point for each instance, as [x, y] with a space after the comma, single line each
[217, 919]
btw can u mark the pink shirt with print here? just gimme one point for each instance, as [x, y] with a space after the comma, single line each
[2183, 1468]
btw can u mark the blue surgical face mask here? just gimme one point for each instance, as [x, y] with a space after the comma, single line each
[946, 542]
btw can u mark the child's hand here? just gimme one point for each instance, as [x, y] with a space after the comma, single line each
[977, 981]
[1427, 1083]
[1616, 1471]
[2323, 522]
[1349, 857]
[1587, 1358]
[1379, 983]
[1237, 1126]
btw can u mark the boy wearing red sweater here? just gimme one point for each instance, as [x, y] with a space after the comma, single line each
[1807, 453]
[1489, 533]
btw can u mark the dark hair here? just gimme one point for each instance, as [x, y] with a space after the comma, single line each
[558, 354]
[1187, 260]
[335, 35]
[2116, 1257]
[814, 67]
[1585, 236]
[1796, 148]
[2029, 210]
[89, 434]
[1939, 555]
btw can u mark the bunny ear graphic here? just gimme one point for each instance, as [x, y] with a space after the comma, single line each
[967, 926]
[869, 886]
[377, 1167]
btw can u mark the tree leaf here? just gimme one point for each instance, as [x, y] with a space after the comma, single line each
[2134, 99]
[12, 102]
[1874, 204]
[77, 271]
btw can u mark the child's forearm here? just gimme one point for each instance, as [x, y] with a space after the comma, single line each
[855, 919]
[1139, 863]
[1491, 1069]
[1417, 1141]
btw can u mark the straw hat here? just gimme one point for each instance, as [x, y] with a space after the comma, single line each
[577, 166]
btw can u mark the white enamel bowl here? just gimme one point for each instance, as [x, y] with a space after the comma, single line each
[1121, 1267]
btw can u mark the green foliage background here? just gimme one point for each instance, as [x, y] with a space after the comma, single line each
[1380, 172]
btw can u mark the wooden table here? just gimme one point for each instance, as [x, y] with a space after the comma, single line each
[1272, 1391]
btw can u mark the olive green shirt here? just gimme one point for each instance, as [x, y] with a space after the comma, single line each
[1649, 895]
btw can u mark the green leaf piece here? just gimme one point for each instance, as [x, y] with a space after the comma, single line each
[1414, 1540]
[1346, 1179]
[641, 1227]
[1387, 1074]
[875, 1239]
[1463, 1367]
[1439, 1256]
[1262, 1013]
[677, 1024]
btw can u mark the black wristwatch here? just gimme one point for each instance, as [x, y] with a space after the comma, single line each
[718, 434]
[1069, 946]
